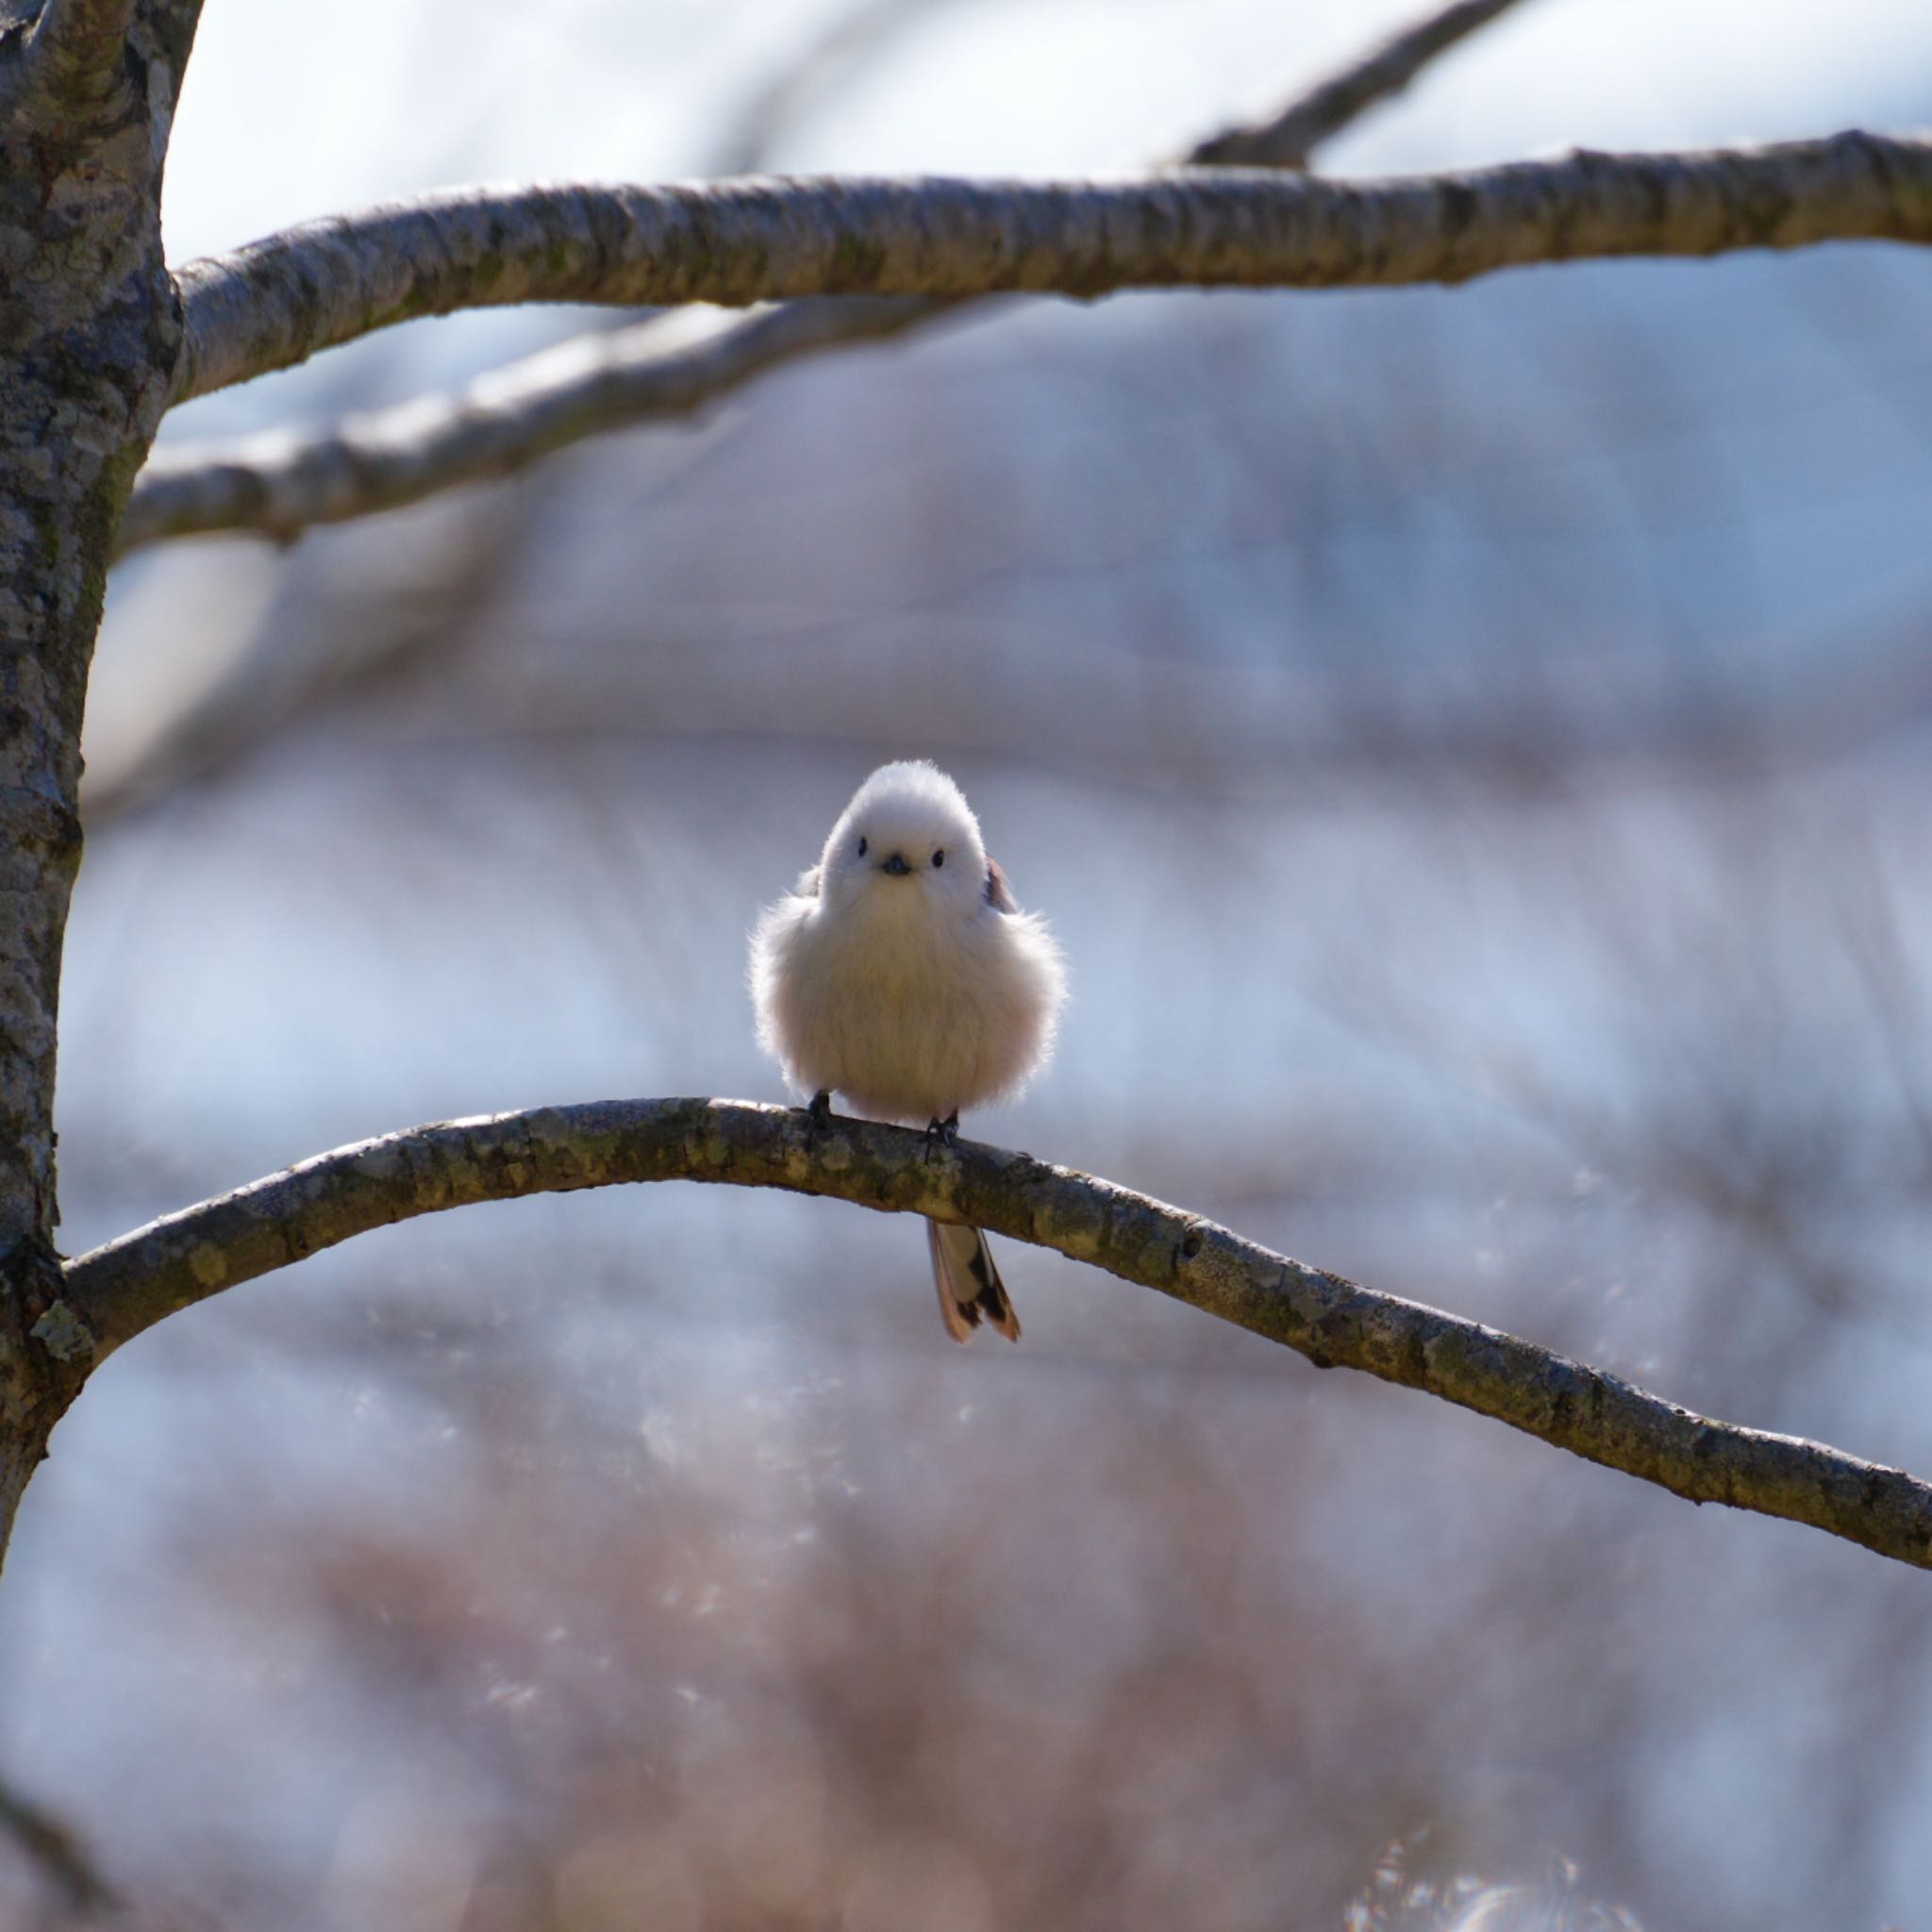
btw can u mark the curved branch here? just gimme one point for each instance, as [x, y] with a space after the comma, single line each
[281, 300]
[119, 1289]
[1325, 110]
[280, 485]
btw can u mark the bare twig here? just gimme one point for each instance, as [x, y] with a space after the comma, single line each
[118, 1290]
[386, 626]
[280, 485]
[838, 46]
[283, 299]
[1325, 110]
[56, 1852]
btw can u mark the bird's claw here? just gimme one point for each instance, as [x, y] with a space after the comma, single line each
[941, 1133]
[819, 1113]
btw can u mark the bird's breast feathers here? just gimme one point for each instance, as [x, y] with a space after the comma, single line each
[909, 1009]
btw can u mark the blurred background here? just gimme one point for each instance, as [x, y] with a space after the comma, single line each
[1476, 749]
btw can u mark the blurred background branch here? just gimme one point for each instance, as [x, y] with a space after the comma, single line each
[667, 366]
[826, 61]
[1292, 137]
[59, 1855]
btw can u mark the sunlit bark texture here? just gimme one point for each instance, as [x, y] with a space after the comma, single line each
[118, 1290]
[89, 327]
[285, 298]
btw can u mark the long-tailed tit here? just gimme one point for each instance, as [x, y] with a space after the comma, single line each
[901, 974]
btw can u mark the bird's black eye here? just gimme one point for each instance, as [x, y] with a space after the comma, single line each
[939, 857]
[862, 848]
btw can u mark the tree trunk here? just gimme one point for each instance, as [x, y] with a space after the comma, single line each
[90, 329]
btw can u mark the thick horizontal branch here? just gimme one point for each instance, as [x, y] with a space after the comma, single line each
[281, 300]
[1325, 110]
[280, 485]
[118, 1290]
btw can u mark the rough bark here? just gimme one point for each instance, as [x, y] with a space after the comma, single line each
[72, 65]
[90, 329]
[118, 1290]
[283, 299]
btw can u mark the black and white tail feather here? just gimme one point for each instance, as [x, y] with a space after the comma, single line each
[971, 1291]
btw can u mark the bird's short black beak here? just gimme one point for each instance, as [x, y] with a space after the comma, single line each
[896, 865]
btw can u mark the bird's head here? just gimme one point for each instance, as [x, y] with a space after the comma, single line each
[909, 830]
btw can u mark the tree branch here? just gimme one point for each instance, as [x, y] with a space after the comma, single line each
[294, 670]
[96, 70]
[118, 1290]
[77, 55]
[280, 485]
[281, 300]
[829, 54]
[57, 1853]
[1325, 110]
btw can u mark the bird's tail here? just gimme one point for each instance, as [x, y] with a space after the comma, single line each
[969, 1284]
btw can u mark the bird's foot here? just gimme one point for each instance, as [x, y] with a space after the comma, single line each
[941, 1133]
[819, 1114]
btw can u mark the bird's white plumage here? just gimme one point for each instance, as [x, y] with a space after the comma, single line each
[901, 975]
[909, 993]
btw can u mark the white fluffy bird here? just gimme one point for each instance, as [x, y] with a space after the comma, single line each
[901, 974]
